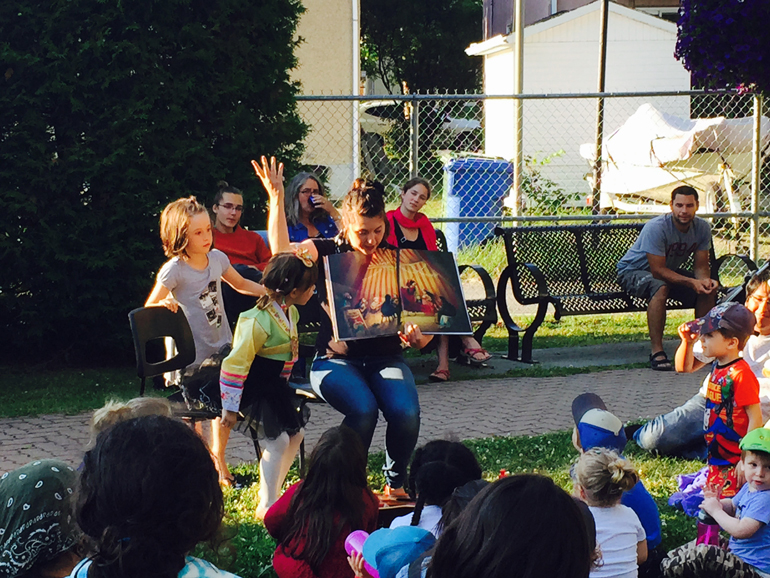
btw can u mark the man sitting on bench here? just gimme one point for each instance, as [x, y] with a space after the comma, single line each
[650, 270]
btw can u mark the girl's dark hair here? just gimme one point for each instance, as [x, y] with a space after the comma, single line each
[365, 198]
[417, 181]
[757, 281]
[222, 188]
[149, 492]
[461, 497]
[284, 273]
[523, 526]
[436, 470]
[331, 497]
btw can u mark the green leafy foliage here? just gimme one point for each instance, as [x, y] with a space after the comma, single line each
[421, 43]
[724, 42]
[108, 111]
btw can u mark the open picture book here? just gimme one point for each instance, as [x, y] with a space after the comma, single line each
[375, 295]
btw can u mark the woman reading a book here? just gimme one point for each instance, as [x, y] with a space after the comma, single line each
[411, 229]
[358, 377]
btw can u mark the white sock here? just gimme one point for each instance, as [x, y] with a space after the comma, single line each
[271, 469]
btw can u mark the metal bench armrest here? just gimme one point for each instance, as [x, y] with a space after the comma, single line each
[486, 279]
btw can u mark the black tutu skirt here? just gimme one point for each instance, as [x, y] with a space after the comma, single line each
[269, 406]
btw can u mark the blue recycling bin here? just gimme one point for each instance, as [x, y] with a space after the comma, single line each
[474, 187]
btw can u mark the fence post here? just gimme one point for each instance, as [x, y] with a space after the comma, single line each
[597, 169]
[414, 138]
[518, 106]
[755, 171]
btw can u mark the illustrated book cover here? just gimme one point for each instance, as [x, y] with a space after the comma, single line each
[375, 295]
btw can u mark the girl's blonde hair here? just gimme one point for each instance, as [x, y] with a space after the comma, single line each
[604, 475]
[174, 223]
[284, 273]
[115, 411]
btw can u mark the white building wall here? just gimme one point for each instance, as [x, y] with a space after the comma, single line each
[564, 59]
[325, 67]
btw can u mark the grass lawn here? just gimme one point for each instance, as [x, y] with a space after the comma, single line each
[34, 391]
[587, 330]
[549, 454]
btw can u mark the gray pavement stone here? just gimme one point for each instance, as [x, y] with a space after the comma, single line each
[466, 409]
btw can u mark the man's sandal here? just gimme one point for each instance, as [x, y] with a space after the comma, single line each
[659, 362]
[439, 376]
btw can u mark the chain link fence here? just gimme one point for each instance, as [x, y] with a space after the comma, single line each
[462, 145]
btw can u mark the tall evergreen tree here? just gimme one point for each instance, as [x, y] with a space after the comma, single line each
[421, 43]
[108, 111]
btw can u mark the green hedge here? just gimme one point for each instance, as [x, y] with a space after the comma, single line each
[108, 111]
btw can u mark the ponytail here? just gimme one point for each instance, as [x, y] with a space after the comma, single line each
[286, 272]
[604, 475]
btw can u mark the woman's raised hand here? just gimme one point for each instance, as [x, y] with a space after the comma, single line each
[271, 175]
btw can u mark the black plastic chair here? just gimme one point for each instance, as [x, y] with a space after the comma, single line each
[150, 323]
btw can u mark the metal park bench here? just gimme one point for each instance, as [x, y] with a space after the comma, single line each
[572, 268]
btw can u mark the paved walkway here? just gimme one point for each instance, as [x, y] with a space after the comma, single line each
[465, 408]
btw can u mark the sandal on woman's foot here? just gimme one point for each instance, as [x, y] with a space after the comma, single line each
[393, 496]
[439, 376]
[660, 362]
[474, 357]
[236, 483]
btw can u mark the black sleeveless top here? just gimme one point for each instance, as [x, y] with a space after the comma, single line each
[404, 243]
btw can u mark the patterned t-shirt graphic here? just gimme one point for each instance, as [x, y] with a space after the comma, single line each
[209, 300]
[731, 388]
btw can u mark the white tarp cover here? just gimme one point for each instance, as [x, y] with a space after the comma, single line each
[653, 138]
[652, 151]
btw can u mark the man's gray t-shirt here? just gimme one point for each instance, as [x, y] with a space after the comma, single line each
[661, 237]
[200, 295]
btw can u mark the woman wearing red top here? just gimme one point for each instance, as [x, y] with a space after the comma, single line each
[411, 229]
[312, 519]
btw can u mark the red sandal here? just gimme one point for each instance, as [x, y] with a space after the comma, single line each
[439, 376]
[468, 357]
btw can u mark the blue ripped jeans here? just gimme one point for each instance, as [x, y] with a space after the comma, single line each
[359, 388]
[677, 433]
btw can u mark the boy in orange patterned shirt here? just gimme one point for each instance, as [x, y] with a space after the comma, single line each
[732, 399]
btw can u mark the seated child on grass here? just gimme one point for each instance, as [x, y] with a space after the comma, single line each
[597, 427]
[436, 470]
[745, 517]
[602, 477]
[311, 520]
[732, 397]
[521, 526]
[148, 494]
